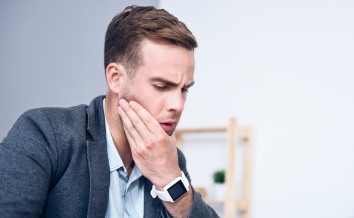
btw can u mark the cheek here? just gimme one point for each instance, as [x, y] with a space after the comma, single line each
[150, 101]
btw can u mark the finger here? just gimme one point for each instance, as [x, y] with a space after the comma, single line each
[150, 122]
[135, 119]
[130, 139]
[131, 133]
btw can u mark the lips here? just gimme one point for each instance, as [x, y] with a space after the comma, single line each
[168, 126]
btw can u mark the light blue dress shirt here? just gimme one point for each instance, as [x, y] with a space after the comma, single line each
[126, 194]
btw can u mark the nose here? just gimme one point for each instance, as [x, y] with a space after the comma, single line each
[175, 102]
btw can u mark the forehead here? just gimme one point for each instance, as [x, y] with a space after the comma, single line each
[172, 62]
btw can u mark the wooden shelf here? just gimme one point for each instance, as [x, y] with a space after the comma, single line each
[234, 132]
[201, 130]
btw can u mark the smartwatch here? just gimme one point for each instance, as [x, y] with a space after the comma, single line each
[173, 191]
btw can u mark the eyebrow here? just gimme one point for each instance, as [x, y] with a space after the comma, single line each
[169, 83]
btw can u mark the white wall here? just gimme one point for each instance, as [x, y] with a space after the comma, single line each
[285, 67]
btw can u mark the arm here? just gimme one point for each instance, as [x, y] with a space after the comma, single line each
[154, 152]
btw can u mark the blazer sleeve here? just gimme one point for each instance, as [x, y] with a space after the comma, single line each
[26, 165]
[199, 207]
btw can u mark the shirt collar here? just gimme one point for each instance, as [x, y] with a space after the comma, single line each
[115, 162]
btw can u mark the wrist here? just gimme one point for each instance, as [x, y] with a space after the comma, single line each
[160, 183]
[173, 190]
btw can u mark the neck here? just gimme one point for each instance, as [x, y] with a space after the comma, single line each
[118, 135]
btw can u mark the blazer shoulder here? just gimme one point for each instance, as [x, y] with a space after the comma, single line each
[57, 114]
[47, 126]
[61, 119]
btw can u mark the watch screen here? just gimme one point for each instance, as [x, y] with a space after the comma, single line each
[177, 190]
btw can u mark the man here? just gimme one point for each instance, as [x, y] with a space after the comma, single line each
[116, 157]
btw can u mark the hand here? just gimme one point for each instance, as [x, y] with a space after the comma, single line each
[153, 150]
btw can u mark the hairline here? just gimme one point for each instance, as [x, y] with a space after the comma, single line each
[132, 72]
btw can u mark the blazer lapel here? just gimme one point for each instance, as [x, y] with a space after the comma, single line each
[97, 159]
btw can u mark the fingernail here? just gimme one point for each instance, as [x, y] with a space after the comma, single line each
[120, 110]
[122, 102]
[132, 104]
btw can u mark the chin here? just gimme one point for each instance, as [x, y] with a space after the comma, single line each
[170, 133]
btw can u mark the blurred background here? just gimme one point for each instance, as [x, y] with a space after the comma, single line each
[284, 67]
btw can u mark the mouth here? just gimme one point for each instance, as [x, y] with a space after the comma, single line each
[169, 127]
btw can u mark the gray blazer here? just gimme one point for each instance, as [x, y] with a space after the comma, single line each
[54, 163]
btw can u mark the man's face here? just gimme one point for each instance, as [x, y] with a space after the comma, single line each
[161, 83]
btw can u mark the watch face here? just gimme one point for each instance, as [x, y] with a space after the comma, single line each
[177, 190]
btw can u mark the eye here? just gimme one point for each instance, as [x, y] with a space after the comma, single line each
[185, 90]
[161, 87]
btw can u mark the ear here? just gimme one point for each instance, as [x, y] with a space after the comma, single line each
[116, 77]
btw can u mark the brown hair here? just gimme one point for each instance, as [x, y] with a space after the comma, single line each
[129, 28]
